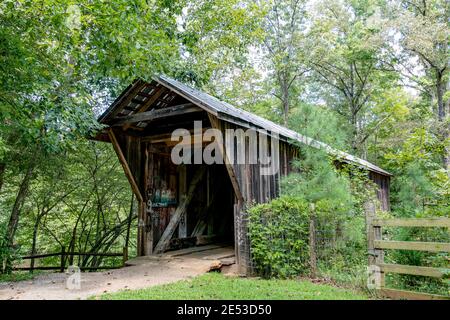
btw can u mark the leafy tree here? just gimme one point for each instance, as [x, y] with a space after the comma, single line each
[418, 34]
[286, 50]
[345, 57]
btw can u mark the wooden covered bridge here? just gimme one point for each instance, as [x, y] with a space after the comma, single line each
[192, 204]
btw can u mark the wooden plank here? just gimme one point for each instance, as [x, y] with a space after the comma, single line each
[174, 221]
[155, 96]
[410, 295]
[124, 163]
[421, 222]
[413, 245]
[145, 105]
[157, 114]
[182, 188]
[413, 270]
[124, 100]
[190, 250]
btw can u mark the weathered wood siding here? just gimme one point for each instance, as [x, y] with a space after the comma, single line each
[383, 189]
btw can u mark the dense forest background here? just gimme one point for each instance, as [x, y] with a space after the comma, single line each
[367, 76]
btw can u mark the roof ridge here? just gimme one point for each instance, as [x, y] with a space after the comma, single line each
[280, 129]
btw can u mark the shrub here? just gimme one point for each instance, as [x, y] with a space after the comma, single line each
[279, 233]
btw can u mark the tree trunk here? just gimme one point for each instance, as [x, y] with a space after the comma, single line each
[354, 124]
[442, 111]
[18, 204]
[17, 208]
[33, 245]
[285, 104]
[2, 172]
[440, 90]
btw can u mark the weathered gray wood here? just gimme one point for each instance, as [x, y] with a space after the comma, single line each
[182, 228]
[413, 270]
[155, 96]
[124, 163]
[158, 114]
[369, 209]
[124, 100]
[182, 207]
[410, 295]
[413, 245]
[229, 167]
[421, 222]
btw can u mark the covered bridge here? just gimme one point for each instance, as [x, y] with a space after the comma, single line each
[193, 203]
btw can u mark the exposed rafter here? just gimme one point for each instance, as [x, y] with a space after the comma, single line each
[157, 114]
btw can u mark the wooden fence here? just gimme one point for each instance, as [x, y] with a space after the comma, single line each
[377, 245]
[63, 259]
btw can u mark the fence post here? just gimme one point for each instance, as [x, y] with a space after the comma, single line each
[31, 265]
[370, 215]
[63, 258]
[379, 254]
[312, 242]
[376, 256]
[125, 255]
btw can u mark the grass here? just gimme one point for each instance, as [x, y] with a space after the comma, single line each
[218, 287]
[17, 276]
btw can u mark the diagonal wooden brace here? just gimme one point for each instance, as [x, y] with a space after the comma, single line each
[181, 209]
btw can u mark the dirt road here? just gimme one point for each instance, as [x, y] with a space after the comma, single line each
[145, 272]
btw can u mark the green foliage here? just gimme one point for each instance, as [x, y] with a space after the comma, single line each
[278, 234]
[421, 186]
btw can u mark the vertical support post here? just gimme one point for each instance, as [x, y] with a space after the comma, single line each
[370, 215]
[63, 259]
[31, 265]
[376, 256]
[141, 229]
[312, 242]
[124, 255]
[379, 254]
[182, 227]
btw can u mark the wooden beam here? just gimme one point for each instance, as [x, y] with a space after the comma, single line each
[421, 222]
[147, 104]
[155, 96]
[165, 137]
[182, 207]
[182, 188]
[126, 99]
[410, 295]
[413, 245]
[157, 114]
[124, 163]
[413, 270]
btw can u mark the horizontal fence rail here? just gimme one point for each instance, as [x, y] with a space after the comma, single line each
[377, 246]
[64, 255]
[411, 222]
[414, 270]
[412, 245]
